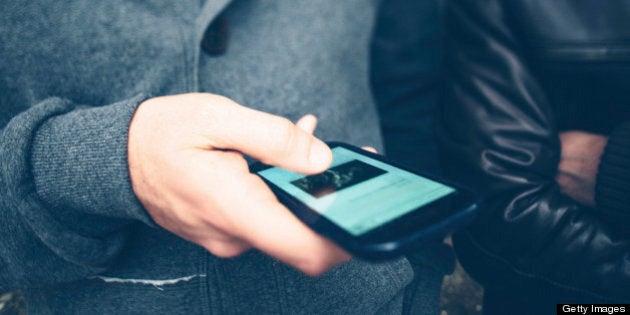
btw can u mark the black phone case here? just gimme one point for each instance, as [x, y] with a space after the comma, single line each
[386, 249]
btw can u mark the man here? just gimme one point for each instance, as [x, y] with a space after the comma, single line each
[536, 92]
[122, 192]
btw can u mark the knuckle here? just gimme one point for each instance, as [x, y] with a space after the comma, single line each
[257, 190]
[285, 133]
[284, 136]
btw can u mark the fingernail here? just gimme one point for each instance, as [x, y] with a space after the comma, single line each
[320, 156]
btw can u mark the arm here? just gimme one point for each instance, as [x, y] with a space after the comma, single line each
[56, 159]
[70, 178]
[497, 133]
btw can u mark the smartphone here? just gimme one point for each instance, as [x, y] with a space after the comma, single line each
[372, 207]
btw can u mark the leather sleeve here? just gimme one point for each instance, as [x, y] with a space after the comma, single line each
[497, 134]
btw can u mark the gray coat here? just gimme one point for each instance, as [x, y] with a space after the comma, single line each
[74, 238]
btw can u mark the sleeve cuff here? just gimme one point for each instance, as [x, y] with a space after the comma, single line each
[612, 191]
[79, 165]
[32, 220]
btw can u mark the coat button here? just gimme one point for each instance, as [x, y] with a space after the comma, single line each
[215, 38]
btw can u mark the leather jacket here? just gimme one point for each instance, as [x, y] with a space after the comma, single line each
[517, 74]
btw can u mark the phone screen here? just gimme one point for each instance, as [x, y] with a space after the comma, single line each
[359, 193]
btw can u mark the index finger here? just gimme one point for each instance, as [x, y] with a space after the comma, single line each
[271, 139]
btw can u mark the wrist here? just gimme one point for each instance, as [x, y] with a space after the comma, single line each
[79, 165]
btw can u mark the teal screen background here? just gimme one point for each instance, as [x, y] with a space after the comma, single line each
[368, 204]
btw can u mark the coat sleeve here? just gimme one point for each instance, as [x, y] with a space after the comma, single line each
[66, 198]
[497, 133]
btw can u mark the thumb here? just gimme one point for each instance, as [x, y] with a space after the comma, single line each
[274, 140]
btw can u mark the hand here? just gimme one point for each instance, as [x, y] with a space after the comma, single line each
[187, 168]
[577, 172]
